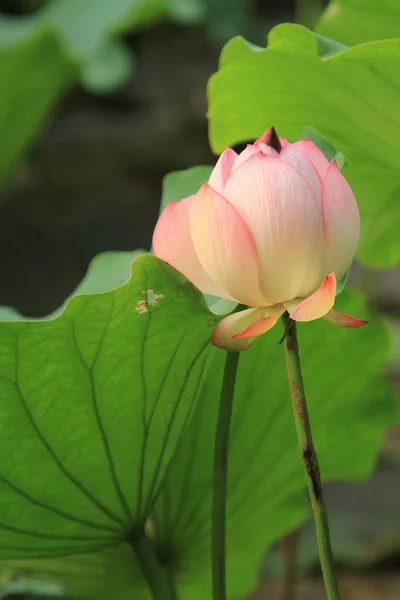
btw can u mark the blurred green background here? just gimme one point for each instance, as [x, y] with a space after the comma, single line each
[99, 100]
[104, 132]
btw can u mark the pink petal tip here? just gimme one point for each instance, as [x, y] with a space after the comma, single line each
[339, 319]
[315, 306]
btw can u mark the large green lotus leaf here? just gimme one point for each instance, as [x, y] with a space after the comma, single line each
[93, 406]
[350, 403]
[34, 72]
[350, 96]
[357, 21]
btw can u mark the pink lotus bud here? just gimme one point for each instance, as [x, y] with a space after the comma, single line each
[274, 228]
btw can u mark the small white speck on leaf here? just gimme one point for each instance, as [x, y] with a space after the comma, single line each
[151, 297]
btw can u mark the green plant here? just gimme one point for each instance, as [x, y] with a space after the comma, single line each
[109, 407]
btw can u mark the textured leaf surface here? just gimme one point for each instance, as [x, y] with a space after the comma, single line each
[93, 405]
[350, 96]
[357, 21]
[350, 405]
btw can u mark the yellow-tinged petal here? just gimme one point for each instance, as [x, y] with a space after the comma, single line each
[172, 241]
[315, 306]
[225, 247]
[239, 330]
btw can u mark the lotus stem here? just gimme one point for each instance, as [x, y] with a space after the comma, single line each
[309, 455]
[156, 575]
[221, 449]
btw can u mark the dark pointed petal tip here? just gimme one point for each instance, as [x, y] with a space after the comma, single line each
[270, 138]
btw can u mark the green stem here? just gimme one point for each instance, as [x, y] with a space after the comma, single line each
[157, 577]
[310, 459]
[221, 448]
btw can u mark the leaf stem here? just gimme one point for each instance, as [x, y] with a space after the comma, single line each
[288, 549]
[309, 455]
[221, 448]
[155, 574]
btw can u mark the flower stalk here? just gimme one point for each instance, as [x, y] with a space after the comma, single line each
[309, 455]
[289, 546]
[220, 482]
[156, 575]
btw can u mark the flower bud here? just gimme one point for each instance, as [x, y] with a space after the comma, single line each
[274, 228]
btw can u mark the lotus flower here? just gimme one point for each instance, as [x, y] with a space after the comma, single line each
[275, 228]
